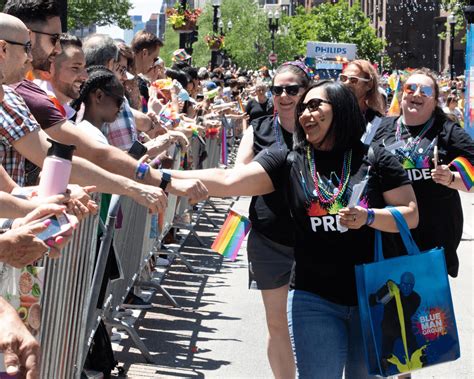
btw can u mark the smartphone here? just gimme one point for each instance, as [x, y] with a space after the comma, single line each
[137, 150]
[60, 224]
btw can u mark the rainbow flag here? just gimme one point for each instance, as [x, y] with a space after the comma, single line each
[394, 109]
[465, 169]
[231, 235]
[241, 105]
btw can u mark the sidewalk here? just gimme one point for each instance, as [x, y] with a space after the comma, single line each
[220, 332]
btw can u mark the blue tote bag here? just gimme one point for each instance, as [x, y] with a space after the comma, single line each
[406, 310]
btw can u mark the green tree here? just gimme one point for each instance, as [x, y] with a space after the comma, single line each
[99, 12]
[338, 22]
[457, 8]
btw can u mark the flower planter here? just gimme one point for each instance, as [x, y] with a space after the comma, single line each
[189, 27]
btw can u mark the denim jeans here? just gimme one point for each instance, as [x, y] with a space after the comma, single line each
[326, 338]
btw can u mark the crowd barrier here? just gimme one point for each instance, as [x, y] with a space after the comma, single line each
[70, 308]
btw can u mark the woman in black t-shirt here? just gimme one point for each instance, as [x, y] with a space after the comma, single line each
[319, 177]
[413, 137]
[261, 105]
[271, 240]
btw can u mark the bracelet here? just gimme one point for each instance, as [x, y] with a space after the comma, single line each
[6, 223]
[156, 163]
[370, 216]
[141, 171]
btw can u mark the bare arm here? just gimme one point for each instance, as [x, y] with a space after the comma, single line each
[6, 183]
[248, 180]
[13, 207]
[403, 198]
[245, 152]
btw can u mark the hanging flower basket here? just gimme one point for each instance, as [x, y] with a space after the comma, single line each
[182, 20]
[214, 42]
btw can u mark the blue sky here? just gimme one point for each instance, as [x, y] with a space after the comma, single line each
[140, 7]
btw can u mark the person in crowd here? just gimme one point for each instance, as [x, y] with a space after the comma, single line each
[146, 48]
[423, 128]
[362, 78]
[21, 349]
[322, 310]
[261, 105]
[46, 19]
[271, 240]
[451, 109]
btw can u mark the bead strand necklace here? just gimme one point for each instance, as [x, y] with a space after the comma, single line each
[412, 142]
[324, 196]
[276, 129]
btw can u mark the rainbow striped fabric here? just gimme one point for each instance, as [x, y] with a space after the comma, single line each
[465, 169]
[231, 235]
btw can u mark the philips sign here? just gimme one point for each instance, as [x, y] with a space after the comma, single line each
[331, 50]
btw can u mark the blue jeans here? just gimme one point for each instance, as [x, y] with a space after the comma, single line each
[326, 338]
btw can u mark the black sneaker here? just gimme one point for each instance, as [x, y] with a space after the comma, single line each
[135, 302]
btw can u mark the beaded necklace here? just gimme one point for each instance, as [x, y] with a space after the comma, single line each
[412, 142]
[324, 196]
[276, 129]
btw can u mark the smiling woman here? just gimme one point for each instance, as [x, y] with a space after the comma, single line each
[422, 129]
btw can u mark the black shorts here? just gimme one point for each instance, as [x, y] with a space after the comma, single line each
[270, 263]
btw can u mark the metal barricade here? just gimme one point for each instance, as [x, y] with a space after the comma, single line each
[67, 286]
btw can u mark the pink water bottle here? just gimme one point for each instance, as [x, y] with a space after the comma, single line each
[56, 169]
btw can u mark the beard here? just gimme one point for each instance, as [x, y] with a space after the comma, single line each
[41, 61]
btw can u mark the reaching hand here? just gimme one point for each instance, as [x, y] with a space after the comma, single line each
[20, 348]
[192, 188]
[154, 198]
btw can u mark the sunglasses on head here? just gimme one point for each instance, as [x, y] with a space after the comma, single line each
[411, 88]
[26, 45]
[54, 36]
[353, 79]
[291, 90]
[118, 99]
[312, 105]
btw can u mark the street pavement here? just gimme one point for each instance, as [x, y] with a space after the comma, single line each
[220, 330]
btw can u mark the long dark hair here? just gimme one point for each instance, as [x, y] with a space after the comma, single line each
[100, 77]
[348, 123]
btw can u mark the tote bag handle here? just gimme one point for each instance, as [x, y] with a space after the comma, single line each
[407, 238]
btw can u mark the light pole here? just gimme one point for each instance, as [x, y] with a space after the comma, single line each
[215, 25]
[452, 24]
[273, 18]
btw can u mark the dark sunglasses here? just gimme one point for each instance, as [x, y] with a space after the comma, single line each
[425, 91]
[54, 36]
[26, 45]
[118, 99]
[353, 79]
[290, 90]
[312, 105]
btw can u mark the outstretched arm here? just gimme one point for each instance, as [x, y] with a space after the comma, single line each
[248, 180]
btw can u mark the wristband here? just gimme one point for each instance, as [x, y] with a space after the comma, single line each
[156, 163]
[370, 216]
[141, 171]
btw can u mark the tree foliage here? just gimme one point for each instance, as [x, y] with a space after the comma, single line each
[457, 8]
[100, 12]
[336, 23]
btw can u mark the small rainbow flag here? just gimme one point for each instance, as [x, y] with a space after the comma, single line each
[241, 105]
[231, 235]
[465, 169]
[394, 109]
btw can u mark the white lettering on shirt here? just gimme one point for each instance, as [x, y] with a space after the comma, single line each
[416, 174]
[327, 223]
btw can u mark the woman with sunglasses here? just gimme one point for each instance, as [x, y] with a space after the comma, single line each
[422, 129]
[271, 240]
[102, 95]
[318, 178]
[362, 78]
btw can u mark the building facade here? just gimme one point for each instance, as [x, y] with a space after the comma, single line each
[138, 24]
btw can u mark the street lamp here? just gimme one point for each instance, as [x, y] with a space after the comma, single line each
[452, 24]
[273, 18]
[215, 27]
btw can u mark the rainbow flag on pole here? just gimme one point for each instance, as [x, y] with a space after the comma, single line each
[465, 169]
[231, 235]
[394, 109]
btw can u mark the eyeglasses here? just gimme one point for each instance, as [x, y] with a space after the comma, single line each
[353, 79]
[118, 99]
[313, 105]
[291, 90]
[27, 45]
[411, 88]
[54, 36]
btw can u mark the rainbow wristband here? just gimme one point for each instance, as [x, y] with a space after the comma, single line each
[370, 216]
[141, 171]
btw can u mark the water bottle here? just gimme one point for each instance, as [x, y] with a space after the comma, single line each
[56, 169]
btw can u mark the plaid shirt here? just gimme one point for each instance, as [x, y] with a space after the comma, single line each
[16, 121]
[122, 133]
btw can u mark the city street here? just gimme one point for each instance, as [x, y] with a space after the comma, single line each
[220, 331]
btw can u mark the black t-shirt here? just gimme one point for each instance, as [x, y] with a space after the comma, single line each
[370, 114]
[256, 110]
[325, 257]
[270, 214]
[441, 216]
